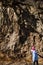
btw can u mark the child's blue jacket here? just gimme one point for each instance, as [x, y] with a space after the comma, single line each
[34, 55]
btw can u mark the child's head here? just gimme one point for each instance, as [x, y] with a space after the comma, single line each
[33, 47]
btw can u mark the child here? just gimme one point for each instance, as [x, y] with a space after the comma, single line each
[34, 56]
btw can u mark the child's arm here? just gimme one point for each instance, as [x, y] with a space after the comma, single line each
[40, 55]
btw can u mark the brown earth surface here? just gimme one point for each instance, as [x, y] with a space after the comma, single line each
[5, 60]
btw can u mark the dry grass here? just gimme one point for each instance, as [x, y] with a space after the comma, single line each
[3, 57]
[41, 60]
[27, 59]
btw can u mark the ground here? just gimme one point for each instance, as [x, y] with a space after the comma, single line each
[23, 61]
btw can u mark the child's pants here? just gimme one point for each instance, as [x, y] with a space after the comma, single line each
[35, 62]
